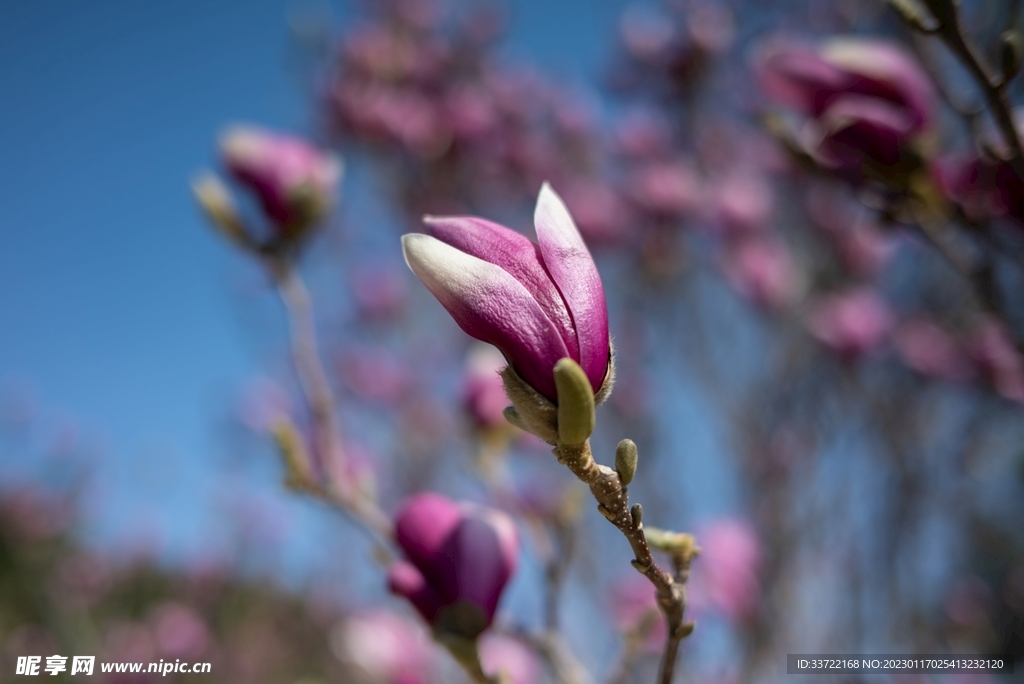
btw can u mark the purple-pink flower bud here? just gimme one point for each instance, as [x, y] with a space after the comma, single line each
[537, 303]
[868, 98]
[293, 181]
[459, 557]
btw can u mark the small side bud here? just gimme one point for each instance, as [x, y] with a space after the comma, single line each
[298, 470]
[216, 202]
[626, 457]
[1011, 54]
[575, 403]
[684, 630]
[637, 513]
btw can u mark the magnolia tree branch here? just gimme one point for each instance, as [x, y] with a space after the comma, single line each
[613, 503]
[323, 408]
[558, 537]
[945, 23]
[567, 426]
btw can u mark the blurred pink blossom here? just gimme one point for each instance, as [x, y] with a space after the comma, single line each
[635, 606]
[35, 514]
[867, 99]
[180, 632]
[671, 188]
[742, 202]
[294, 181]
[927, 348]
[601, 213]
[982, 186]
[643, 132]
[726, 572]
[762, 270]
[380, 290]
[992, 348]
[647, 33]
[969, 601]
[375, 374]
[384, 647]
[483, 391]
[514, 660]
[852, 323]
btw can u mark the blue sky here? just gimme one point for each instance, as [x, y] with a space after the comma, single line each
[115, 304]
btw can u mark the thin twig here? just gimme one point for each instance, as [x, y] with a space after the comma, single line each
[992, 87]
[613, 504]
[563, 664]
[633, 647]
[322, 406]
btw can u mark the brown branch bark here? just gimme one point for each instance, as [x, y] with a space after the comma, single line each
[613, 503]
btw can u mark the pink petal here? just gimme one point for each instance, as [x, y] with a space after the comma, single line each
[492, 306]
[423, 524]
[473, 565]
[513, 252]
[405, 580]
[573, 270]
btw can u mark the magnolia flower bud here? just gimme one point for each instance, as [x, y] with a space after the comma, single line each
[626, 457]
[537, 303]
[866, 99]
[459, 557]
[293, 181]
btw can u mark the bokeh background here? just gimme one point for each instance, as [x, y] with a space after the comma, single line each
[856, 488]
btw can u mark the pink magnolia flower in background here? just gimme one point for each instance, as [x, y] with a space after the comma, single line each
[293, 181]
[180, 632]
[742, 202]
[762, 270]
[927, 348]
[384, 647]
[537, 303]
[851, 323]
[991, 345]
[635, 607]
[984, 187]
[666, 188]
[459, 557]
[516, 662]
[726, 578]
[867, 98]
[482, 389]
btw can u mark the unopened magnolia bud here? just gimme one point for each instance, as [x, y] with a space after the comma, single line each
[216, 201]
[575, 403]
[626, 457]
[1012, 52]
[298, 471]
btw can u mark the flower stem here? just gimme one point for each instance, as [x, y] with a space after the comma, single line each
[613, 504]
[322, 405]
